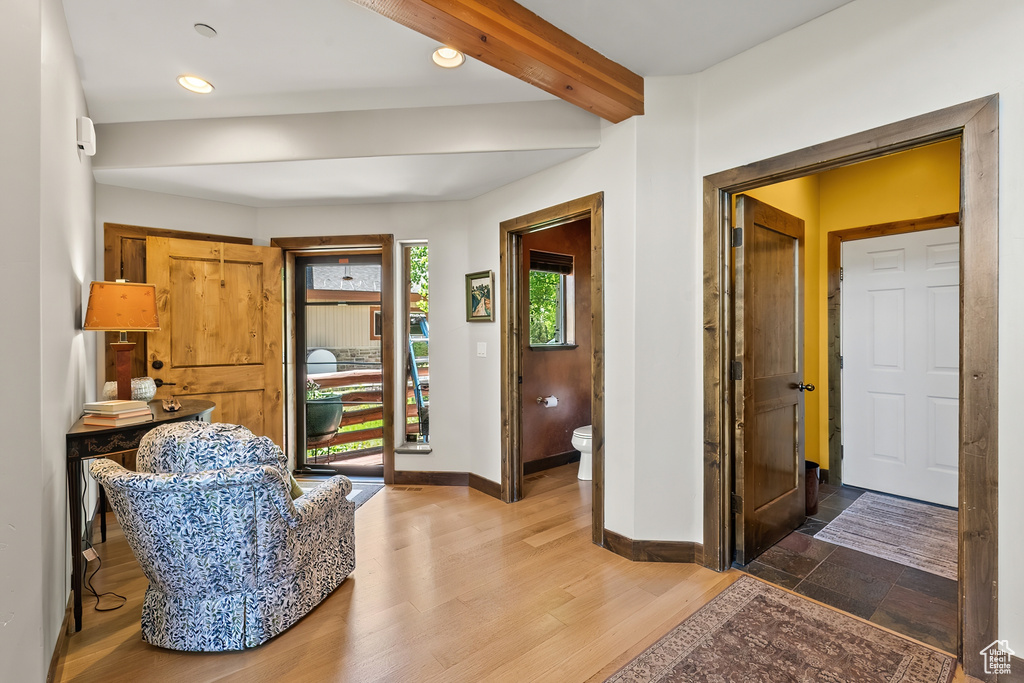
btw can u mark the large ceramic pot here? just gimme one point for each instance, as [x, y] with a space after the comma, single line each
[323, 415]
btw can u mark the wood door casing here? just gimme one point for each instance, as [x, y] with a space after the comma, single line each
[124, 256]
[768, 357]
[221, 317]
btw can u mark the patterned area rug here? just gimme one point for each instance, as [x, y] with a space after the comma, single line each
[913, 534]
[363, 492]
[756, 633]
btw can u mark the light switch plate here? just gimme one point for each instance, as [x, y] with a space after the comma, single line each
[481, 349]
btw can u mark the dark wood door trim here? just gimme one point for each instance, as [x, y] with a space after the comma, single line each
[321, 244]
[834, 259]
[510, 247]
[976, 123]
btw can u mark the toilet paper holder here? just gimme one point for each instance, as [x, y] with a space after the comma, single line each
[547, 401]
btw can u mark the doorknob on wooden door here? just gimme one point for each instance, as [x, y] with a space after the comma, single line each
[805, 387]
[160, 383]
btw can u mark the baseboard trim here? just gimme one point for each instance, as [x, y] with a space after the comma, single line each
[653, 551]
[416, 478]
[549, 462]
[1016, 674]
[484, 485]
[60, 648]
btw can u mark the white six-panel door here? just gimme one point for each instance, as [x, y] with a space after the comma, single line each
[900, 378]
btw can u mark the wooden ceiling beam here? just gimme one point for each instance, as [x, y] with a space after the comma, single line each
[509, 37]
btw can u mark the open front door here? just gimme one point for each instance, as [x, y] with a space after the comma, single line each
[768, 499]
[221, 318]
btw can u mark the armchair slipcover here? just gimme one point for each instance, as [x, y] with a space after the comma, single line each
[231, 560]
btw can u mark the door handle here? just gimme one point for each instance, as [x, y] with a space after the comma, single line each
[159, 382]
[800, 387]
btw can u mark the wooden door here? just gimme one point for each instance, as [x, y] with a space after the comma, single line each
[221, 318]
[901, 364]
[124, 256]
[767, 370]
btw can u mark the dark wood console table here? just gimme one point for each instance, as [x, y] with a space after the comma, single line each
[85, 442]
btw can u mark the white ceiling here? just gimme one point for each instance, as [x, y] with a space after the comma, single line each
[272, 57]
[268, 57]
[675, 37]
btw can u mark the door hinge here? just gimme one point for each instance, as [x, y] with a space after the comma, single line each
[737, 237]
[840, 362]
[737, 504]
[736, 370]
[842, 452]
[840, 273]
[520, 379]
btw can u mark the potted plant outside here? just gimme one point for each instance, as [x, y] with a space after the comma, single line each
[323, 412]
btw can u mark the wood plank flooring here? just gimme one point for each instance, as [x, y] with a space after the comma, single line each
[450, 585]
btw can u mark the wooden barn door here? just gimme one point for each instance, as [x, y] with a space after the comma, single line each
[221, 317]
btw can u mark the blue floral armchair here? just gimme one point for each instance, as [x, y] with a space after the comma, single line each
[231, 560]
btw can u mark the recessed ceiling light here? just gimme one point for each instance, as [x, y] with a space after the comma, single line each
[205, 30]
[195, 84]
[448, 57]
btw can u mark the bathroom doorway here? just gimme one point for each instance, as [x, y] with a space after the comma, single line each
[552, 342]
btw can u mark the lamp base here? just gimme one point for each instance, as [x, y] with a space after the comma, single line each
[123, 369]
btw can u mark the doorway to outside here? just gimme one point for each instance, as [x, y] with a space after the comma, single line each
[339, 369]
[552, 352]
[975, 124]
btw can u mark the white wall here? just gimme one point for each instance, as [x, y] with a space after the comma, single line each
[22, 617]
[873, 62]
[610, 169]
[443, 225]
[46, 358]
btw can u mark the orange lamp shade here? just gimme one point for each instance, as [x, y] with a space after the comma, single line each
[122, 307]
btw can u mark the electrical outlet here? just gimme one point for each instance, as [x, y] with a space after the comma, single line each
[481, 349]
[89, 554]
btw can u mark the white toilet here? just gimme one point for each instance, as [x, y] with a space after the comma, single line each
[582, 440]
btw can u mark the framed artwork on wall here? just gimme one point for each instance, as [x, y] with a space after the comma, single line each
[480, 296]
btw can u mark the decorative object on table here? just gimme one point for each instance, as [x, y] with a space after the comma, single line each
[480, 296]
[171, 405]
[755, 632]
[143, 389]
[116, 413]
[231, 560]
[324, 411]
[123, 307]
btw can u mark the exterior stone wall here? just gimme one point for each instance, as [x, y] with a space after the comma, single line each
[360, 354]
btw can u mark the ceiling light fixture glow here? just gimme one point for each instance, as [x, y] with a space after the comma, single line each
[448, 57]
[195, 84]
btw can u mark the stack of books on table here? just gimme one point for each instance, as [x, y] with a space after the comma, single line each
[116, 413]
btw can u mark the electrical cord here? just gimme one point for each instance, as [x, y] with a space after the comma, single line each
[99, 564]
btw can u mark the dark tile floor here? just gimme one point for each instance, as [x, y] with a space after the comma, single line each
[904, 599]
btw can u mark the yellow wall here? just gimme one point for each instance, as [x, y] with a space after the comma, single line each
[920, 182]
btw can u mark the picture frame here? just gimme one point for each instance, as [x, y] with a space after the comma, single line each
[480, 296]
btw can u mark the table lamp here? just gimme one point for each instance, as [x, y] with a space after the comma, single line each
[122, 307]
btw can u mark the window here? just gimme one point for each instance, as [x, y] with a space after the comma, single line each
[417, 348]
[552, 300]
